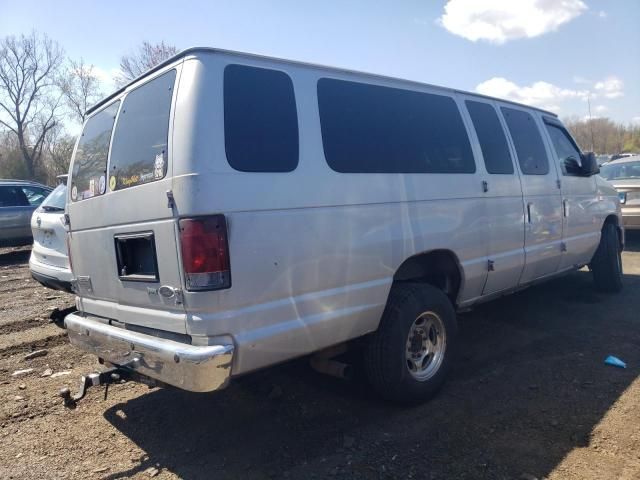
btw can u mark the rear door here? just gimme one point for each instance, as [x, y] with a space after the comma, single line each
[503, 198]
[15, 214]
[541, 193]
[123, 232]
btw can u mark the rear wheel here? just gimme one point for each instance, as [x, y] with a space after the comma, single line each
[606, 264]
[407, 359]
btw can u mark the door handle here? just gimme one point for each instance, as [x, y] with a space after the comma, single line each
[529, 212]
[485, 186]
[565, 207]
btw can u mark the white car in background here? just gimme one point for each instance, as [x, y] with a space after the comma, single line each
[49, 263]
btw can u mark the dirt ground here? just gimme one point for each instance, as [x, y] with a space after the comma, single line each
[529, 397]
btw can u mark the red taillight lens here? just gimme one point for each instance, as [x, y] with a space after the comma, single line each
[205, 252]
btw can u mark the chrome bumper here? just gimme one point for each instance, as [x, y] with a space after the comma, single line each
[189, 367]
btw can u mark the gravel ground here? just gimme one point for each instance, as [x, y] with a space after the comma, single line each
[529, 397]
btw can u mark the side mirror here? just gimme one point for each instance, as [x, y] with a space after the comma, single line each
[590, 165]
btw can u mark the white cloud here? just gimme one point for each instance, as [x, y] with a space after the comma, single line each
[602, 14]
[539, 94]
[636, 120]
[549, 96]
[498, 21]
[106, 76]
[610, 87]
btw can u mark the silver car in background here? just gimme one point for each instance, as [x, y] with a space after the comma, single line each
[624, 174]
[18, 200]
[49, 263]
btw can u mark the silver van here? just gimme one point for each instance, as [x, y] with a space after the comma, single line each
[229, 211]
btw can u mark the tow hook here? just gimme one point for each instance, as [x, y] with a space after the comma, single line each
[106, 378]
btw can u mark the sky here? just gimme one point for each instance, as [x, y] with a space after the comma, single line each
[555, 54]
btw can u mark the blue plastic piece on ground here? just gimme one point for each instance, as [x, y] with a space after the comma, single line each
[615, 361]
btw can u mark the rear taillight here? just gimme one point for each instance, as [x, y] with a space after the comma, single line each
[205, 252]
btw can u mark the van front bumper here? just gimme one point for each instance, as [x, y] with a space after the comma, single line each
[189, 367]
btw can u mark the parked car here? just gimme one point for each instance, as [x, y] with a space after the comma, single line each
[619, 156]
[624, 174]
[231, 211]
[602, 159]
[18, 200]
[49, 263]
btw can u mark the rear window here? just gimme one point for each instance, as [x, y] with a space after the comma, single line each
[56, 200]
[90, 162]
[374, 129]
[493, 142]
[260, 120]
[527, 140]
[139, 150]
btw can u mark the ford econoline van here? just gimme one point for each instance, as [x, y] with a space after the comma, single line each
[230, 211]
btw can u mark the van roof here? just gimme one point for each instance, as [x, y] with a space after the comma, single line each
[195, 50]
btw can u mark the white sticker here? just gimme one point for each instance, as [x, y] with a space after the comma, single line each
[74, 193]
[102, 184]
[158, 166]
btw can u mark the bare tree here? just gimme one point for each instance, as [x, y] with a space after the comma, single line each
[80, 87]
[28, 94]
[59, 149]
[148, 56]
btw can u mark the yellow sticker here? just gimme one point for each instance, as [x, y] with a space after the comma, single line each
[112, 182]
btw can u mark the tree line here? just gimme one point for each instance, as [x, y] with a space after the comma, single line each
[43, 93]
[604, 136]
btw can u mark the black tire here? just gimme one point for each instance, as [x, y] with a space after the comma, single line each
[385, 362]
[606, 264]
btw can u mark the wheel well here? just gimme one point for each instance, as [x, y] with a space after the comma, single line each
[439, 268]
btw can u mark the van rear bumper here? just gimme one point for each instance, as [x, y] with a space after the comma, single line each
[189, 367]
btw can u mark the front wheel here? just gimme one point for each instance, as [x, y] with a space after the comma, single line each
[606, 264]
[407, 359]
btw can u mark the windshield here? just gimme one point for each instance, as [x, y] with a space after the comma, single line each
[55, 201]
[620, 171]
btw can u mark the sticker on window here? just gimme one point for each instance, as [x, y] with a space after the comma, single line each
[158, 166]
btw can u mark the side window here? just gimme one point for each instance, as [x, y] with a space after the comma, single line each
[88, 177]
[493, 142]
[374, 129]
[12, 196]
[260, 120]
[35, 195]
[527, 141]
[139, 150]
[566, 151]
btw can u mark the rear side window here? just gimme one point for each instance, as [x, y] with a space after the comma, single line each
[12, 196]
[374, 129]
[260, 120]
[139, 150]
[527, 140]
[88, 177]
[493, 142]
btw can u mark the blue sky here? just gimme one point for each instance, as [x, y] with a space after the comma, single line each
[551, 53]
